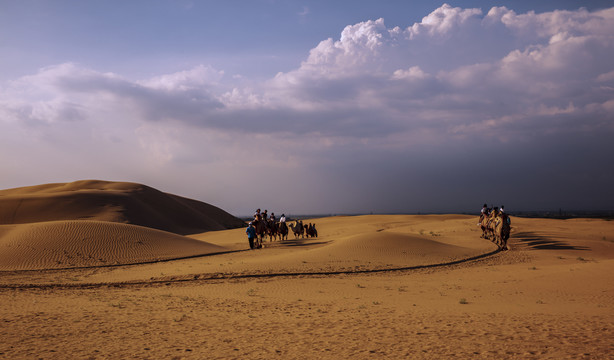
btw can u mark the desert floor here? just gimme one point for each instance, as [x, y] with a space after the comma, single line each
[365, 288]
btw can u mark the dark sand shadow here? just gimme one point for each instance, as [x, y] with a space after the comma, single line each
[538, 242]
[295, 242]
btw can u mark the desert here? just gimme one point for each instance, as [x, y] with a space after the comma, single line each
[90, 279]
[139, 141]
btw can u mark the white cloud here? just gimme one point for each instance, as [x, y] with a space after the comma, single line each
[197, 78]
[368, 78]
[412, 73]
[556, 64]
[444, 21]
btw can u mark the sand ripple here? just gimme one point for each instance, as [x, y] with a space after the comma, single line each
[66, 244]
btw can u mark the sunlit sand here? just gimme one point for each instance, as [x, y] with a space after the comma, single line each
[378, 286]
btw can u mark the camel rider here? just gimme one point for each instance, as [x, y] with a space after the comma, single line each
[483, 214]
[282, 219]
[505, 216]
[265, 216]
[257, 216]
[272, 218]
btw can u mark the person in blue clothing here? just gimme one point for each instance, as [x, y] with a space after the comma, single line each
[251, 235]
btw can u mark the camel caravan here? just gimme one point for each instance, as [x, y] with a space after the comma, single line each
[495, 225]
[268, 226]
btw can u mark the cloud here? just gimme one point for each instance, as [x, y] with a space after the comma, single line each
[561, 61]
[444, 21]
[194, 79]
[68, 92]
[408, 102]
[457, 66]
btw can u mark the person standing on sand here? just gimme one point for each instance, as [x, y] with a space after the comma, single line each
[251, 235]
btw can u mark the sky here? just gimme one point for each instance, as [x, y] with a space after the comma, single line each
[315, 107]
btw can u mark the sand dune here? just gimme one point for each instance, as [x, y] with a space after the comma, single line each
[112, 201]
[346, 244]
[363, 244]
[392, 245]
[401, 240]
[68, 244]
[362, 252]
[97, 223]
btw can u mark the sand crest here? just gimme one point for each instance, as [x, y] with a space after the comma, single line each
[121, 202]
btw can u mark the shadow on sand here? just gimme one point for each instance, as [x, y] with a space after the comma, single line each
[296, 242]
[538, 242]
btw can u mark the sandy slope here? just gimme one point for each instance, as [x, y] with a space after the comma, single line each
[100, 223]
[112, 201]
[354, 244]
[66, 244]
[550, 297]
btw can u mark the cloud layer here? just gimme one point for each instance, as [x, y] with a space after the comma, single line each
[464, 107]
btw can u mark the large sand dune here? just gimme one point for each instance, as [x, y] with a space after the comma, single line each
[99, 223]
[121, 202]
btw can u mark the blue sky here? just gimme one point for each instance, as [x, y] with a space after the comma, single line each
[258, 38]
[315, 106]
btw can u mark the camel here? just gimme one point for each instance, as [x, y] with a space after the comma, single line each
[310, 230]
[496, 228]
[314, 231]
[260, 233]
[487, 225]
[502, 230]
[298, 229]
[283, 231]
[272, 230]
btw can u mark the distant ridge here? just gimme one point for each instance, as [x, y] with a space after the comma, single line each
[121, 202]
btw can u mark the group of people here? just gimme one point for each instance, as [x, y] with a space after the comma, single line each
[265, 224]
[262, 224]
[258, 216]
[486, 211]
[495, 225]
